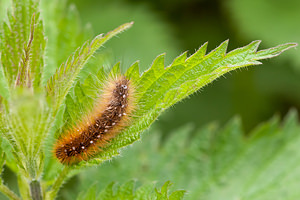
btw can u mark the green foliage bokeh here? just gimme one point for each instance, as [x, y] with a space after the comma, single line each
[254, 94]
[173, 27]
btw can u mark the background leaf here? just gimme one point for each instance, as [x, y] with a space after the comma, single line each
[159, 87]
[214, 163]
[255, 94]
[64, 31]
[151, 35]
[127, 191]
[61, 82]
[276, 86]
[266, 12]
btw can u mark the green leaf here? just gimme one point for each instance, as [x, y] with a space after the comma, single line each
[177, 195]
[163, 194]
[217, 163]
[60, 83]
[4, 4]
[25, 126]
[151, 35]
[4, 91]
[22, 44]
[126, 190]
[36, 51]
[80, 100]
[133, 71]
[186, 78]
[147, 191]
[161, 87]
[274, 22]
[89, 194]
[64, 32]
[107, 193]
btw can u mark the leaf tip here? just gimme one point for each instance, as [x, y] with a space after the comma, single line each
[255, 44]
[128, 25]
[291, 45]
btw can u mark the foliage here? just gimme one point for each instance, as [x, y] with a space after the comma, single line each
[131, 46]
[127, 191]
[285, 15]
[64, 31]
[39, 103]
[159, 87]
[266, 90]
[214, 163]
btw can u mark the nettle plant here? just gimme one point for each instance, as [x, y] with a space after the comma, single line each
[53, 124]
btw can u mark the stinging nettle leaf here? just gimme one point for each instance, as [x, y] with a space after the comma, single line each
[60, 83]
[38, 105]
[146, 191]
[22, 44]
[161, 87]
[217, 162]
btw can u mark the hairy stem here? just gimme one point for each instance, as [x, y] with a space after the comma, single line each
[35, 190]
[10, 194]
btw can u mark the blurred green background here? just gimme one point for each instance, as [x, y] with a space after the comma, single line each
[174, 26]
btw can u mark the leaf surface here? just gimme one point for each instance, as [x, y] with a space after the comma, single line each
[216, 163]
[161, 87]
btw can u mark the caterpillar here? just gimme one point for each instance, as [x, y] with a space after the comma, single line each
[110, 114]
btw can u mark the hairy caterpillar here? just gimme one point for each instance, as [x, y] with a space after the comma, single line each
[105, 122]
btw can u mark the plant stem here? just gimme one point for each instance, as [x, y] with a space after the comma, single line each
[35, 190]
[10, 194]
[57, 184]
[23, 185]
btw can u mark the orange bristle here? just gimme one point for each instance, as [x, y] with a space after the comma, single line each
[110, 115]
